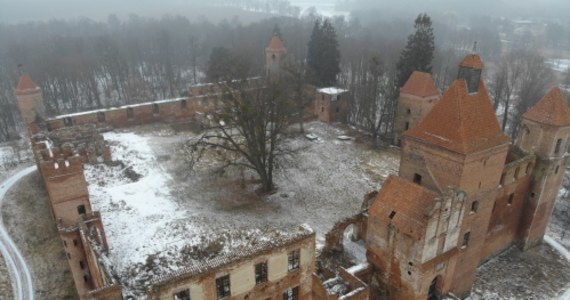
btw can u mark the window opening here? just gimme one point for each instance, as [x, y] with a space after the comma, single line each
[557, 148]
[293, 258]
[291, 294]
[81, 209]
[474, 206]
[130, 113]
[417, 178]
[67, 121]
[182, 295]
[510, 201]
[223, 287]
[261, 272]
[466, 237]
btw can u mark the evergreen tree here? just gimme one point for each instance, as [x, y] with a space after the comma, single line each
[312, 54]
[418, 54]
[323, 55]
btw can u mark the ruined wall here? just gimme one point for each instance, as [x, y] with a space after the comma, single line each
[176, 110]
[67, 189]
[76, 257]
[331, 108]
[201, 284]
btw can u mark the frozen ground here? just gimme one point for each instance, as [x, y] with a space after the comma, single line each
[559, 227]
[13, 155]
[537, 274]
[159, 215]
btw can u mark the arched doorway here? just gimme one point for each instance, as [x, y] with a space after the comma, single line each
[433, 292]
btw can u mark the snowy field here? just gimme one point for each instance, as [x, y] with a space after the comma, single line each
[160, 216]
[560, 65]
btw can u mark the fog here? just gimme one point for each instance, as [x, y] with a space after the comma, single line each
[14, 11]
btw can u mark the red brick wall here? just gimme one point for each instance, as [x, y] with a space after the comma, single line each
[507, 211]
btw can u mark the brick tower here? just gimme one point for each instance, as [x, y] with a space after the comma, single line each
[459, 145]
[30, 102]
[545, 132]
[274, 55]
[417, 97]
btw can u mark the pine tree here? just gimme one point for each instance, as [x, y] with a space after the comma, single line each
[312, 54]
[418, 54]
[330, 55]
[323, 55]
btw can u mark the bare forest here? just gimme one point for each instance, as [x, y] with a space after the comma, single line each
[84, 63]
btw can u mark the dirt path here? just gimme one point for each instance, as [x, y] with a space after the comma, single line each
[17, 268]
[26, 215]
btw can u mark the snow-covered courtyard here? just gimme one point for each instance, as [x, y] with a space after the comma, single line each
[160, 216]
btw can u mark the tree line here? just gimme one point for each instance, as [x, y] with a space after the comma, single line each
[83, 64]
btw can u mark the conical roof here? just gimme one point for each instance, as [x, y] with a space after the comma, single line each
[276, 45]
[26, 86]
[420, 84]
[552, 109]
[461, 122]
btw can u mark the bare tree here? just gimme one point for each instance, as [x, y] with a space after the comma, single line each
[373, 91]
[248, 128]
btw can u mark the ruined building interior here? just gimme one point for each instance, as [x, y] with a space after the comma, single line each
[464, 192]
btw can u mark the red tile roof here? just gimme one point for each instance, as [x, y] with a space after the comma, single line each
[276, 45]
[26, 86]
[472, 61]
[461, 122]
[407, 202]
[552, 109]
[420, 84]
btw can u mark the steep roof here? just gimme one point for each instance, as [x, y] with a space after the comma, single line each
[420, 84]
[276, 45]
[552, 109]
[461, 122]
[472, 61]
[408, 204]
[26, 86]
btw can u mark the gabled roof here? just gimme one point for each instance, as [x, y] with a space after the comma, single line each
[552, 109]
[276, 45]
[26, 86]
[461, 122]
[420, 84]
[407, 204]
[472, 61]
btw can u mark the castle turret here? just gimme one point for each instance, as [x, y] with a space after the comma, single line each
[470, 70]
[417, 97]
[545, 132]
[30, 100]
[460, 145]
[274, 54]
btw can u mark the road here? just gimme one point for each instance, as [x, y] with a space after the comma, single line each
[17, 267]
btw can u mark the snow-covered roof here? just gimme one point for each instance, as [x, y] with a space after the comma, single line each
[202, 267]
[59, 117]
[332, 91]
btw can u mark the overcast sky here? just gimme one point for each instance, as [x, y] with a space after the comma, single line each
[30, 10]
